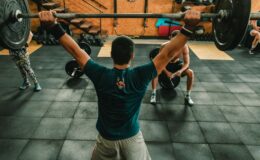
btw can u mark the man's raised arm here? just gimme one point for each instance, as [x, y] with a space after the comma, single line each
[170, 50]
[47, 19]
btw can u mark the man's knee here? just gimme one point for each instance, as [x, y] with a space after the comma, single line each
[189, 73]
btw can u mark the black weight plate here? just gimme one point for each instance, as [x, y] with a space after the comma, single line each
[13, 34]
[166, 83]
[86, 47]
[73, 70]
[228, 32]
[153, 53]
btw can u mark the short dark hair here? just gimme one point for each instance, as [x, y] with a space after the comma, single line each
[122, 50]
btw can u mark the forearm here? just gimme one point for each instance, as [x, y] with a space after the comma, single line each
[74, 50]
[166, 72]
[174, 45]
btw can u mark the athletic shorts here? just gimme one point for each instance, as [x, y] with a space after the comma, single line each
[133, 148]
[174, 67]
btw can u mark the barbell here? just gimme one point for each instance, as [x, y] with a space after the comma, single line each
[230, 20]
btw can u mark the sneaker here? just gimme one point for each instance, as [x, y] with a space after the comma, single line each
[188, 101]
[25, 85]
[153, 98]
[251, 52]
[37, 87]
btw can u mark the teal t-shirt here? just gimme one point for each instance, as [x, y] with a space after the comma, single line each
[120, 93]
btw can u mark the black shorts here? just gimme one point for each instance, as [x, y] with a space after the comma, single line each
[174, 67]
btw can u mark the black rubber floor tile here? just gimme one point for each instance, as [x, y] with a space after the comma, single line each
[43, 73]
[150, 131]
[186, 151]
[87, 110]
[11, 148]
[206, 77]
[58, 73]
[170, 96]
[76, 150]
[76, 83]
[14, 95]
[249, 77]
[41, 150]
[89, 95]
[201, 69]
[249, 99]
[228, 78]
[248, 133]
[239, 88]
[12, 108]
[32, 109]
[197, 86]
[82, 129]
[152, 112]
[62, 110]
[208, 113]
[238, 69]
[254, 86]
[220, 98]
[52, 128]
[45, 95]
[161, 151]
[173, 112]
[214, 86]
[51, 83]
[255, 111]
[219, 69]
[238, 114]
[69, 95]
[219, 133]
[10, 82]
[188, 132]
[255, 151]
[230, 152]
[202, 98]
[18, 127]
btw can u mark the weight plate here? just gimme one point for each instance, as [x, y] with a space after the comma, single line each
[166, 83]
[86, 47]
[73, 70]
[228, 32]
[13, 34]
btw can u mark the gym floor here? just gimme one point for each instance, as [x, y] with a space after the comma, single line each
[59, 122]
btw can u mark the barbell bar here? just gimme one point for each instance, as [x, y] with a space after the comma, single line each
[118, 15]
[177, 16]
[230, 20]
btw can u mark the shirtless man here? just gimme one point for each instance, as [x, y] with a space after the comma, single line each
[177, 68]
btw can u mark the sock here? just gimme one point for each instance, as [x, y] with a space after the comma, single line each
[154, 91]
[188, 93]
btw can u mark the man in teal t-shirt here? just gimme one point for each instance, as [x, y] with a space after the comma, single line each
[120, 90]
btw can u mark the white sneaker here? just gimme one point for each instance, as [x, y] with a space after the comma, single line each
[250, 52]
[153, 98]
[188, 101]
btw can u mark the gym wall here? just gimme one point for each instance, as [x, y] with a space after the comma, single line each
[128, 26]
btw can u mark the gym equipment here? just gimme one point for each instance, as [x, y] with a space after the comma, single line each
[230, 20]
[85, 46]
[167, 83]
[164, 81]
[72, 68]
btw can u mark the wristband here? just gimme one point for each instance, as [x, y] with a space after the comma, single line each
[187, 31]
[57, 31]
